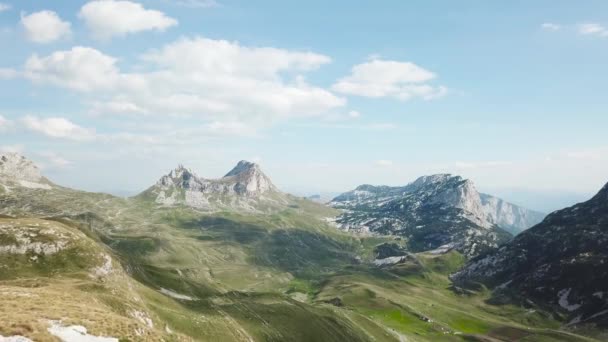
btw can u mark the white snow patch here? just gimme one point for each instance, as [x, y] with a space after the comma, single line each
[599, 294]
[442, 249]
[15, 338]
[390, 260]
[563, 300]
[175, 294]
[76, 333]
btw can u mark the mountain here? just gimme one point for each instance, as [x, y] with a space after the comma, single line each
[16, 170]
[431, 212]
[244, 188]
[560, 264]
[508, 216]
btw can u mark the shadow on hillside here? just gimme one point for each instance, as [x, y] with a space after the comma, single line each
[301, 252]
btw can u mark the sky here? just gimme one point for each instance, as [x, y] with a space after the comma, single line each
[110, 95]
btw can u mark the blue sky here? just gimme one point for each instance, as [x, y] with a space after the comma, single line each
[109, 95]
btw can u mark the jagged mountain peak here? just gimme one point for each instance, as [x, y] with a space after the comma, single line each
[436, 178]
[16, 168]
[241, 167]
[241, 188]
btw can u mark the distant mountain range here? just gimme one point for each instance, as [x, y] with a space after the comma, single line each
[434, 211]
[561, 263]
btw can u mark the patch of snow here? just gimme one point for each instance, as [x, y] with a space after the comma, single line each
[563, 300]
[75, 333]
[390, 260]
[442, 249]
[15, 338]
[599, 294]
[175, 294]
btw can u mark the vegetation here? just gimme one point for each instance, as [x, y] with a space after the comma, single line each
[179, 274]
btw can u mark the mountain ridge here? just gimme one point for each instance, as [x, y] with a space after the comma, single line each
[486, 210]
[559, 263]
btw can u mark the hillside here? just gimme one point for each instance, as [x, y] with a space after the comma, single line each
[560, 264]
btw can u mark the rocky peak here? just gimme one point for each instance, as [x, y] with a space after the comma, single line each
[249, 179]
[16, 167]
[437, 179]
[180, 177]
[243, 167]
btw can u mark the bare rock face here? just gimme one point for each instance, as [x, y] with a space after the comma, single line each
[248, 179]
[433, 212]
[244, 187]
[17, 170]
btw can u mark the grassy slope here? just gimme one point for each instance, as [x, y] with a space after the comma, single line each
[285, 276]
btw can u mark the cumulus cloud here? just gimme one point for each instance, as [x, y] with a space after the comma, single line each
[109, 18]
[551, 27]
[116, 106]
[44, 27]
[81, 68]
[381, 78]
[593, 29]
[214, 80]
[57, 127]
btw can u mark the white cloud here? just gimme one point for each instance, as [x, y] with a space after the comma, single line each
[381, 78]
[108, 18]
[551, 27]
[81, 68]
[593, 29]
[384, 162]
[116, 106]
[44, 27]
[57, 127]
[197, 3]
[213, 80]
[4, 7]
[8, 74]
[354, 114]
